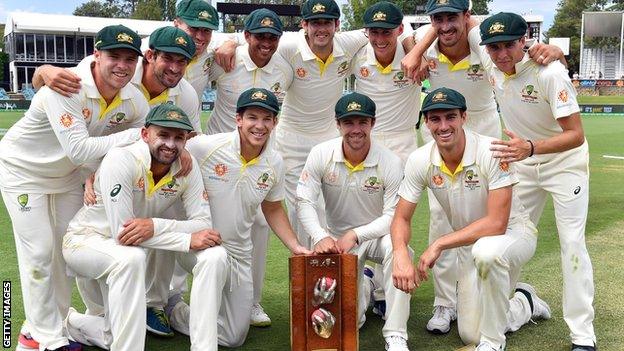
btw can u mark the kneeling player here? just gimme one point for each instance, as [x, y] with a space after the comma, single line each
[492, 230]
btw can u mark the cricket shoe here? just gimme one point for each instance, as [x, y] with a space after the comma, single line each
[440, 323]
[539, 307]
[396, 343]
[25, 342]
[576, 347]
[486, 346]
[259, 318]
[157, 322]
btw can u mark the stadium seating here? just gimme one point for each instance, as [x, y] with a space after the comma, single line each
[28, 93]
[3, 94]
[209, 95]
[600, 60]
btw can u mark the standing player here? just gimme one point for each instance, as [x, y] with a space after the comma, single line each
[359, 180]
[105, 242]
[241, 173]
[476, 193]
[538, 105]
[40, 177]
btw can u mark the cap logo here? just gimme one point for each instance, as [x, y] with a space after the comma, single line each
[354, 106]
[266, 22]
[497, 28]
[379, 16]
[124, 38]
[180, 41]
[442, 2]
[173, 115]
[318, 8]
[97, 43]
[258, 95]
[204, 15]
[439, 97]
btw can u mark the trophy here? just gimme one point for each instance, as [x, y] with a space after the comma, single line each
[323, 303]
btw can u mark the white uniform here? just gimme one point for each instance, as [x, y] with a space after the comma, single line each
[236, 189]
[489, 269]
[531, 101]
[469, 78]
[361, 198]
[197, 73]
[396, 97]
[41, 185]
[125, 189]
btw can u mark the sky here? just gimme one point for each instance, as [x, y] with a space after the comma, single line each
[546, 8]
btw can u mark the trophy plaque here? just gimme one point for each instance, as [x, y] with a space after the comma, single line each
[323, 303]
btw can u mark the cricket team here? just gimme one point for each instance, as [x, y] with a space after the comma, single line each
[110, 181]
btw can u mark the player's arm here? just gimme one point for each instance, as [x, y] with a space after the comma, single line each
[61, 80]
[403, 272]
[65, 117]
[413, 63]
[278, 221]
[493, 223]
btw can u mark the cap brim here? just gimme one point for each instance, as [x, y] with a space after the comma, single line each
[260, 104]
[200, 24]
[171, 124]
[121, 46]
[443, 106]
[501, 38]
[321, 16]
[174, 50]
[384, 25]
[445, 9]
[355, 114]
[265, 30]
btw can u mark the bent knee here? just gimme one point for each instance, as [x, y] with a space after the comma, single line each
[133, 259]
[214, 257]
[235, 338]
[469, 336]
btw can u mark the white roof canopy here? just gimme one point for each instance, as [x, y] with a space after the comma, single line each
[603, 24]
[27, 22]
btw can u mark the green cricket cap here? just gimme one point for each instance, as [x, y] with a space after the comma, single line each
[258, 97]
[437, 6]
[503, 26]
[118, 37]
[383, 15]
[263, 21]
[170, 116]
[198, 14]
[173, 40]
[313, 9]
[355, 104]
[443, 99]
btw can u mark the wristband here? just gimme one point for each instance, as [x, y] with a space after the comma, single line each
[532, 147]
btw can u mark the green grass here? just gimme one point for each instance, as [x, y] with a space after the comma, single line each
[605, 239]
[618, 99]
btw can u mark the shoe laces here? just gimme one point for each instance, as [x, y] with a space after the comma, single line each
[442, 312]
[162, 317]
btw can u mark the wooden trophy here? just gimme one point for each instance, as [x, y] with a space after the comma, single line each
[323, 303]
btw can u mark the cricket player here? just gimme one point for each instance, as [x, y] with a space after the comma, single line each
[491, 229]
[241, 172]
[451, 63]
[547, 144]
[359, 179]
[106, 242]
[40, 177]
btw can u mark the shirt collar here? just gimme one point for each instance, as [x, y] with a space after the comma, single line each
[243, 53]
[399, 53]
[470, 151]
[306, 52]
[371, 160]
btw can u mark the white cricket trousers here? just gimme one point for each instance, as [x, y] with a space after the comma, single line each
[401, 143]
[397, 302]
[39, 223]
[221, 300]
[294, 148]
[488, 272]
[444, 271]
[565, 177]
[120, 273]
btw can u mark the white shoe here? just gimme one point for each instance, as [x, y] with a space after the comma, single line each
[259, 318]
[486, 346]
[440, 323]
[396, 343]
[541, 310]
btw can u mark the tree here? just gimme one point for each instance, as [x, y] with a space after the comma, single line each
[354, 10]
[95, 8]
[148, 10]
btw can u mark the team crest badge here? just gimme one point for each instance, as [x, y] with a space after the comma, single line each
[399, 76]
[439, 97]
[171, 183]
[475, 68]
[118, 117]
[22, 200]
[529, 94]
[343, 67]
[86, 113]
[442, 2]
[437, 180]
[364, 72]
[276, 88]
[259, 95]
[301, 72]
[262, 181]
[471, 180]
[379, 16]
[124, 37]
[181, 41]
[372, 185]
[318, 8]
[354, 106]
[220, 169]
[67, 120]
[173, 115]
[563, 96]
[497, 28]
[504, 166]
[266, 22]
[204, 15]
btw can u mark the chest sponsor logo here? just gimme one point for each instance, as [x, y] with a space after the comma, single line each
[437, 180]
[301, 72]
[86, 113]
[475, 73]
[364, 72]
[504, 166]
[262, 183]
[399, 80]
[471, 180]
[529, 94]
[170, 189]
[343, 68]
[22, 200]
[331, 178]
[67, 120]
[116, 119]
[220, 172]
[372, 185]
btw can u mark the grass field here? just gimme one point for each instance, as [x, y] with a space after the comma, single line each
[605, 239]
[601, 99]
